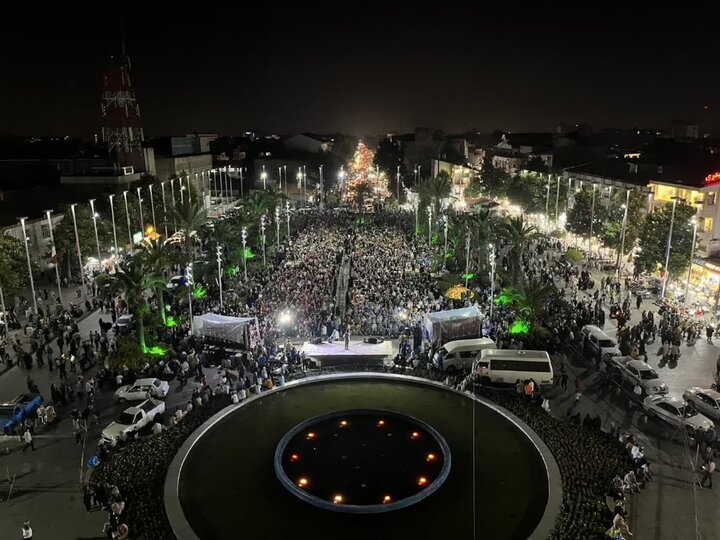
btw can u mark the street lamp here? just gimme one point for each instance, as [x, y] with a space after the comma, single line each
[445, 253]
[277, 226]
[187, 181]
[592, 218]
[416, 205]
[398, 183]
[4, 311]
[231, 188]
[112, 217]
[557, 197]
[429, 225]
[547, 201]
[219, 261]
[127, 215]
[190, 287]
[152, 207]
[263, 177]
[54, 255]
[491, 256]
[695, 221]
[243, 234]
[182, 189]
[668, 248]
[287, 213]
[77, 247]
[304, 184]
[27, 253]
[286, 182]
[467, 256]
[262, 237]
[242, 189]
[142, 221]
[95, 216]
[622, 233]
[162, 190]
[279, 178]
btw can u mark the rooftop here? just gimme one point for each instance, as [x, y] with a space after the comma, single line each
[31, 202]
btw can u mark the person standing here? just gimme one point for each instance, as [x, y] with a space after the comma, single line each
[347, 338]
[27, 531]
[708, 469]
[29, 442]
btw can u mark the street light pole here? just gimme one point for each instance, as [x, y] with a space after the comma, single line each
[242, 188]
[262, 237]
[112, 218]
[417, 215]
[142, 220]
[263, 175]
[277, 226]
[79, 250]
[187, 181]
[547, 201]
[244, 244]
[162, 190]
[287, 213]
[668, 248]
[445, 252]
[4, 311]
[592, 219]
[621, 255]
[467, 256]
[127, 215]
[286, 182]
[54, 255]
[695, 222]
[219, 261]
[152, 207]
[491, 256]
[429, 225]
[94, 220]
[557, 197]
[231, 188]
[191, 291]
[27, 253]
[398, 183]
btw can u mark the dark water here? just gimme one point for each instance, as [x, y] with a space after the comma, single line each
[228, 487]
[363, 459]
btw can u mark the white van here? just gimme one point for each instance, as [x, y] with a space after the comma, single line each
[508, 365]
[460, 354]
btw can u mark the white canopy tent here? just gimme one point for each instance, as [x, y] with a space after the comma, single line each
[225, 328]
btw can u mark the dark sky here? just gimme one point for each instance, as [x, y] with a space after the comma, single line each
[364, 67]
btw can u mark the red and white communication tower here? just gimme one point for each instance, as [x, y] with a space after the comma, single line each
[121, 115]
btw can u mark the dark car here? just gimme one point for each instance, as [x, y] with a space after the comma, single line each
[12, 413]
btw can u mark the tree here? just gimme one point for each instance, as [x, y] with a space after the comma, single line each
[612, 231]
[361, 192]
[495, 181]
[190, 217]
[13, 266]
[474, 188]
[157, 256]
[654, 236]
[578, 219]
[133, 279]
[64, 234]
[527, 191]
[436, 190]
[519, 234]
[531, 300]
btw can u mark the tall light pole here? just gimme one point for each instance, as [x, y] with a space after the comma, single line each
[547, 201]
[557, 197]
[127, 215]
[242, 184]
[27, 253]
[219, 261]
[263, 177]
[592, 218]
[467, 256]
[54, 256]
[190, 293]
[287, 214]
[429, 208]
[277, 226]
[152, 208]
[243, 234]
[4, 311]
[491, 256]
[232, 196]
[182, 189]
[95, 216]
[187, 181]
[668, 247]
[142, 220]
[162, 190]
[417, 215]
[262, 237]
[419, 172]
[174, 206]
[695, 221]
[112, 217]
[286, 182]
[397, 177]
[305, 184]
[279, 178]
[322, 189]
[621, 254]
[445, 252]
[78, 249]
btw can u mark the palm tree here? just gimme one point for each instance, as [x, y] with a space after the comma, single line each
[156, 256]
[190, 218]
[436, 190]
[133, 279]
[519, 234]
[531, 300]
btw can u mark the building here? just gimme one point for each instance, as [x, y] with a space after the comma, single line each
[684, 129]
[309, 143]
[32, 204]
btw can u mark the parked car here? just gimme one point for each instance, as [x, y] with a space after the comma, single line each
[676, 412]
[123, 324]
[595, 339]
[133, 419]
[13, 412]
[636, 372]
[142, 389]
[704, 400]
[175, 282]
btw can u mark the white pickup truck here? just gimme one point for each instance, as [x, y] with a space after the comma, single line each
[133, 419]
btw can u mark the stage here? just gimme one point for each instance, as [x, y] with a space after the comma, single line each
[334, 354]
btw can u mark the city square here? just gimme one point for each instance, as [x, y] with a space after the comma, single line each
[370, 329]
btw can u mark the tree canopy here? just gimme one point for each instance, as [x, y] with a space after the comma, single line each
[654, 236]
[13, 266]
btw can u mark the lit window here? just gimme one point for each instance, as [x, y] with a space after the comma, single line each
[710, 199]
[707, 224]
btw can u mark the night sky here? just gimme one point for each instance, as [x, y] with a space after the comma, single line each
[364, 67]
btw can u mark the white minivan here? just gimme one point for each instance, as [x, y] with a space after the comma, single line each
[506, 366]
[460, 354]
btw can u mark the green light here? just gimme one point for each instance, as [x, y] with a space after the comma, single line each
[200, 292]
[361, 221]
[503, 300]
[519, 327]
[232, 271]
[435, 239]
[170, 322]
[468, 276]
[249, 255]
[155, 350]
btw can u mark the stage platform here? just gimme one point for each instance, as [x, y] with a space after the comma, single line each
[358, 352]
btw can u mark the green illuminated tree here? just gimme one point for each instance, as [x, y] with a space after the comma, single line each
[519, 234]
